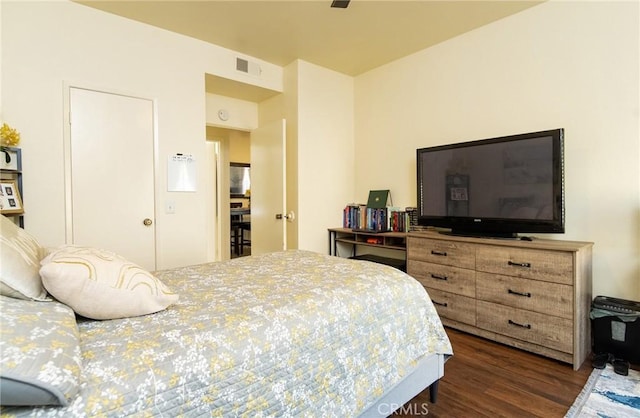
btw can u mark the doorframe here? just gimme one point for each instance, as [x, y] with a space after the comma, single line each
[214, 206]
[66, 138]
[219, 197]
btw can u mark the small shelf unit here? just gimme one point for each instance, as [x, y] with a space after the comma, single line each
[11, 169]
[396, 241]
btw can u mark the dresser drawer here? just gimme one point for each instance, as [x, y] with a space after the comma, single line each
[549, 266]
[531, 295]
[455, 307]
[532, 327]
[447, 278]
[450, 253]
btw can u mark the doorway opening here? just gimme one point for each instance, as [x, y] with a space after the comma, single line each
[238, 115]
[231, 210]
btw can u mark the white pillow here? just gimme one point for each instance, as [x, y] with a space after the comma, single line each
[99, 284]
[20, 256]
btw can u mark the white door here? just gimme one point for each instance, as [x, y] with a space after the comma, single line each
[112, 174]
[268, 188]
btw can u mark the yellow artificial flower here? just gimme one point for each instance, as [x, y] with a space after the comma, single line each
[10, 137]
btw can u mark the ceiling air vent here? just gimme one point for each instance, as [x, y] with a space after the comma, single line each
[342, 4]
[248, 67]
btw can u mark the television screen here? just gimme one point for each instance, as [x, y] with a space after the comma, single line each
[498, 186]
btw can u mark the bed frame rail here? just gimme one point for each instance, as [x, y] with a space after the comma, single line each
[426, 375]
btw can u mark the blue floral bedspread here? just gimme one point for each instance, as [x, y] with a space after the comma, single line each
[294, 333]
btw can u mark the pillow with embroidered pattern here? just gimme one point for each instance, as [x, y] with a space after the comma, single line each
[100, 284]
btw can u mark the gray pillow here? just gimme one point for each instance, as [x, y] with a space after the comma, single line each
[40, 356]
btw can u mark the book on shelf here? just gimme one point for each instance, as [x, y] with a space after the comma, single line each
[397, 220]
[365, 218]
[392, 218]
[354, 215]
[360, 217]
[412, 213]
[377, 219]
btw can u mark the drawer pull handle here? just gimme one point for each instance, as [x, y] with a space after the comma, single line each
[527, 326]
[513, 292]
[440, 253]
[439, 303]
[435, 276]
[526, 265]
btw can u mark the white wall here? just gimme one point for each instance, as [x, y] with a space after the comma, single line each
[325, 152]
[45, 44]
[559, 64]
[241, 114]
[1, 31]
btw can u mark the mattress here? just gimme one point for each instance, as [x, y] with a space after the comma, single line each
[291, 333]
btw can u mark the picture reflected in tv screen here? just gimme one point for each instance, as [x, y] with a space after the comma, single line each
[495, 187]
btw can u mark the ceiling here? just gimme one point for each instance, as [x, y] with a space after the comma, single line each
[367, 34]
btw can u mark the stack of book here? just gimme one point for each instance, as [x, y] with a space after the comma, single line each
[402, 220]
[412, 213]
[398, 221]
[379, 214]
[377, 219]
[354, 216]
[360, 217]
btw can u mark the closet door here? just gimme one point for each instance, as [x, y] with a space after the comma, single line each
[112, 174]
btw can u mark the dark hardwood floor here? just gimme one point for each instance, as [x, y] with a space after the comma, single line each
[487, 379]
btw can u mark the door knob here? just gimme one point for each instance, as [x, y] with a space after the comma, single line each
[147, 222]
[289, 216]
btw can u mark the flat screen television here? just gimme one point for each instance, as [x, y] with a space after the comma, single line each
[497, 187]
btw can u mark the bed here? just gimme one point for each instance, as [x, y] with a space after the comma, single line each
[292, 333]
